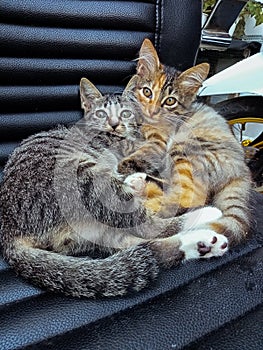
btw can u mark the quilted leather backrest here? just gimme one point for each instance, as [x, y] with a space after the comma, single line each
[47, 46]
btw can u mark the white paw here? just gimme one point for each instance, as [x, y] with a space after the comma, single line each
[136, 183]
[203, 244]
[201, 216]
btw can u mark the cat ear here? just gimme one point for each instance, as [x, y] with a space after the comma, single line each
[88, 92]
[148, 62]
[191, 80]
[129, 89]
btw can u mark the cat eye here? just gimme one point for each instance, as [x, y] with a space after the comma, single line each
[147, 92]
[126, 114]
[101, 114]
[170, 101]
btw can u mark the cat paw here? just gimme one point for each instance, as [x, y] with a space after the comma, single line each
[136, 183]
[127, 166]
[200, 217]
[203, 244]
[132, 165]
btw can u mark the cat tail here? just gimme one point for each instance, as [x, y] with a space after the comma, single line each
[128, 270]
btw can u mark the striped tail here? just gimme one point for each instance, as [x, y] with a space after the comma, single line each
[235, 202]
[131, 269]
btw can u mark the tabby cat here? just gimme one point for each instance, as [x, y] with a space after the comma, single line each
[62, 197]
[207, 163]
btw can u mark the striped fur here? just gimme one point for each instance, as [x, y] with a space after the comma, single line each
[206, 163]
[62, 196]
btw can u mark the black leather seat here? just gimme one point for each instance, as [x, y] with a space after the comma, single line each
[46, 47]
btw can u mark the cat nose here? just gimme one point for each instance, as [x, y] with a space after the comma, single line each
[114, 127]
[114, 124]
[154, 111]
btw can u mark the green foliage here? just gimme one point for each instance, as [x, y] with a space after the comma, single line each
[240, 28]
[208, 5]
[252, 8]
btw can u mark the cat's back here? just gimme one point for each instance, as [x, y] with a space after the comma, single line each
[29, 169]
[206, 124]
[206, 117]
[213, 137]
[35, 152]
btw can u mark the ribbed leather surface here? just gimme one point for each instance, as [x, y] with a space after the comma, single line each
[45, 48]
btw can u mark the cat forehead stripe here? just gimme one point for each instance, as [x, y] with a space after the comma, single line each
[113, 99]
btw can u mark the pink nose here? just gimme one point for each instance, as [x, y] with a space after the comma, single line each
[154, 112]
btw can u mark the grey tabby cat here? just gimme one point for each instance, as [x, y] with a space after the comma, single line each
[62, 197]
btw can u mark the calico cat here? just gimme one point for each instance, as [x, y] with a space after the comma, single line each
[62, 196]
[207, 163]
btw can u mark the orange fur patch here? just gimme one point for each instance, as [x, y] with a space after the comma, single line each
[153, 190]
[189, 199]
[154, 204]
[217, 227]
[154, 196]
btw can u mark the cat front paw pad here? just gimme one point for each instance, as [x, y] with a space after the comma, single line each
[136, 183]
[203, 244]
